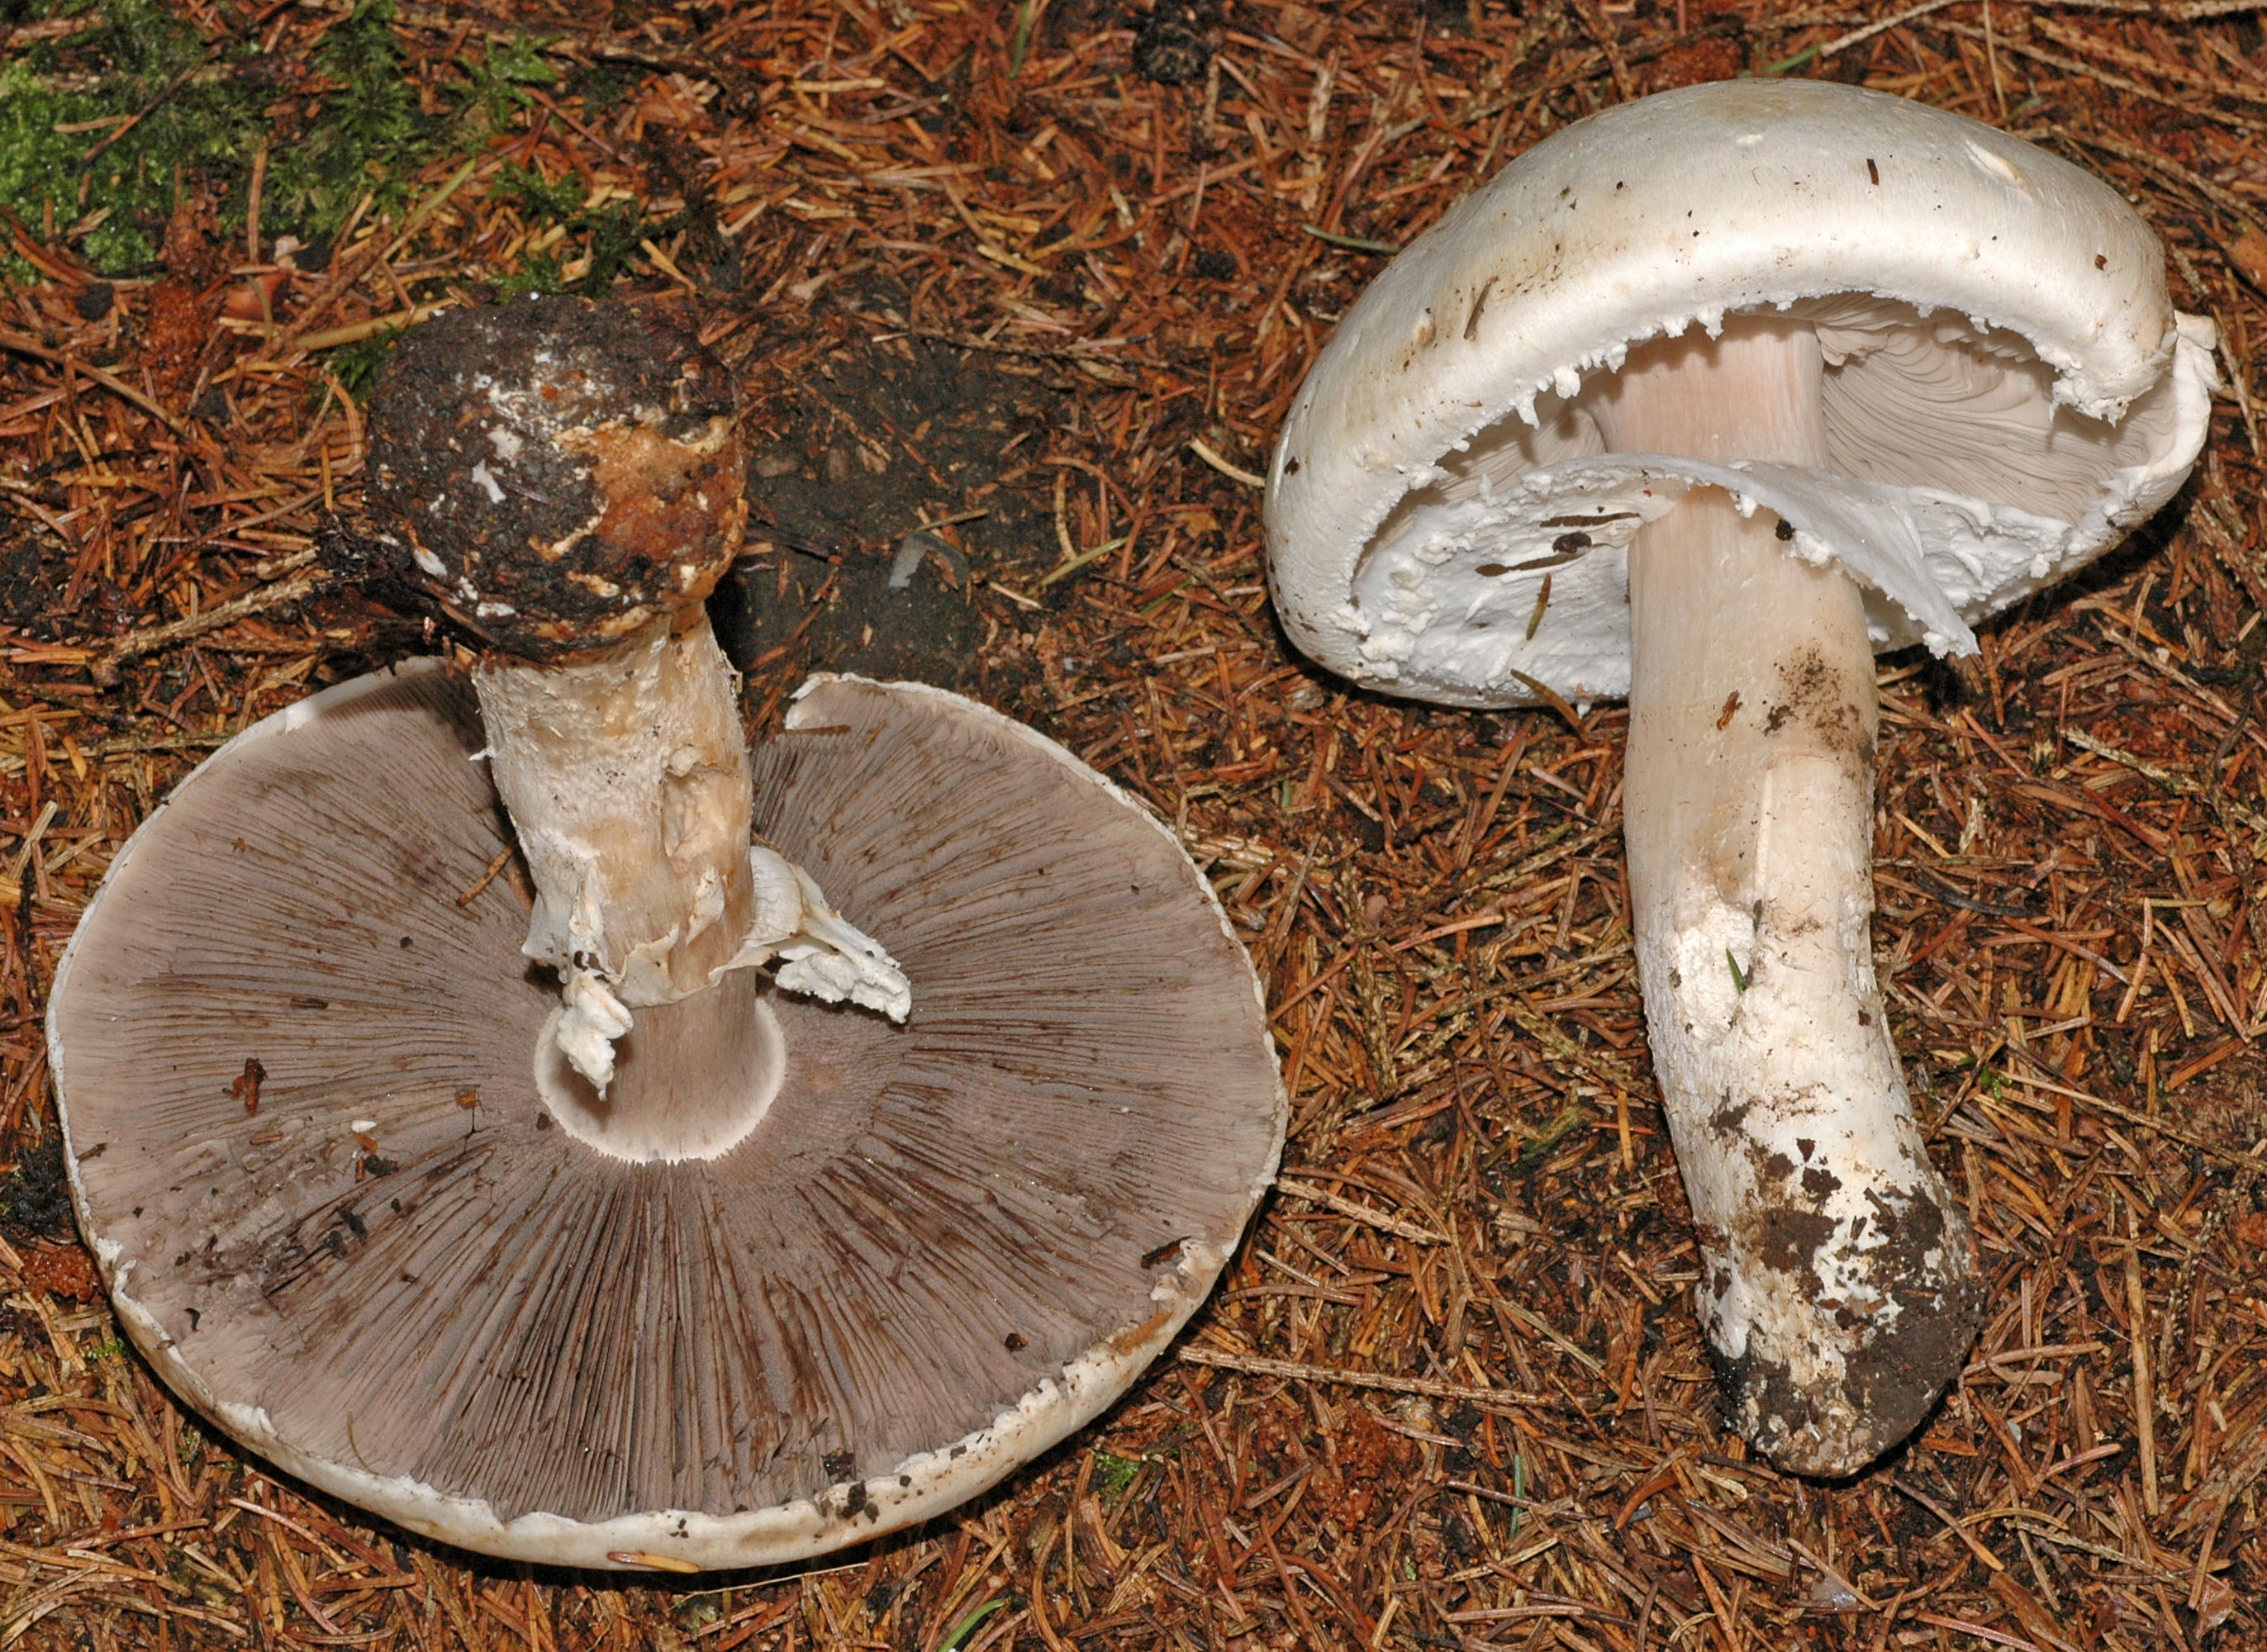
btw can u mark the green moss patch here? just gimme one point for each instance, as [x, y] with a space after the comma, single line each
[102, 129]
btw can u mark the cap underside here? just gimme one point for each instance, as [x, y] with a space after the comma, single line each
[2009, 389]
[1955, 487]
[398, 1278]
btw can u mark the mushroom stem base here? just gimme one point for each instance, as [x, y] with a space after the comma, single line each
[1839, 1291]
[691, 1079]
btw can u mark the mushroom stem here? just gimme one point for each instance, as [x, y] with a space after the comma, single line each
[625, 770]
[689, 1080]
[1839, 1293]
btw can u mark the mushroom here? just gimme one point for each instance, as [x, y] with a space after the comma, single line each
[795, 1272]
[583, 502]
[1845, 374]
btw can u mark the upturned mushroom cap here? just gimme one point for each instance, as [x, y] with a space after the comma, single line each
[943, 1247]
[2009, 388]
[553, 474]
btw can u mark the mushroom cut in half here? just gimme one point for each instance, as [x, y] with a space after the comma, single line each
[1702, 401]
[767, 1243]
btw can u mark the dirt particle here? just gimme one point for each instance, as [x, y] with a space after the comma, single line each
[1480, 304]
[1788, 1241]
[35, 1199]
[60, 1270]
[1164, 1253]
[245, 1085]
[1174, 45]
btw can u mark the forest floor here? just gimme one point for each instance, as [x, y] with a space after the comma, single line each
[1036, 279]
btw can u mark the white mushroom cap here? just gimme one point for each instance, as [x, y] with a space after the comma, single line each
[2009, 388]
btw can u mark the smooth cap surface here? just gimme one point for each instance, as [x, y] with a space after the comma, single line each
[2008, 386]
[945, 1246]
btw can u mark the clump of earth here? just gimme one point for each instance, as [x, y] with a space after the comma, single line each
[886, 480]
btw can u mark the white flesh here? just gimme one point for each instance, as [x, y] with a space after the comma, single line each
[625, 775]
[1839, 1291]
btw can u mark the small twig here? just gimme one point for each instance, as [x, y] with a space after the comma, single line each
[1253, 1365]
[1555, 700]
[1351, 243]
[379, 250]
[1818, 1565]
[158, 100]
[2144, 1391]
[354, 332]
[1595, 24]
[110, 382]
[503, 859]
[1950, 895]
[2227, 200]
[157, 639]
[1359, 1212]
[1990, 1560]
[1233, 473]
[1064, 570]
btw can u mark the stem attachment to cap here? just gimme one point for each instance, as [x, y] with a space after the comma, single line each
[561, 480]
[626, 774]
